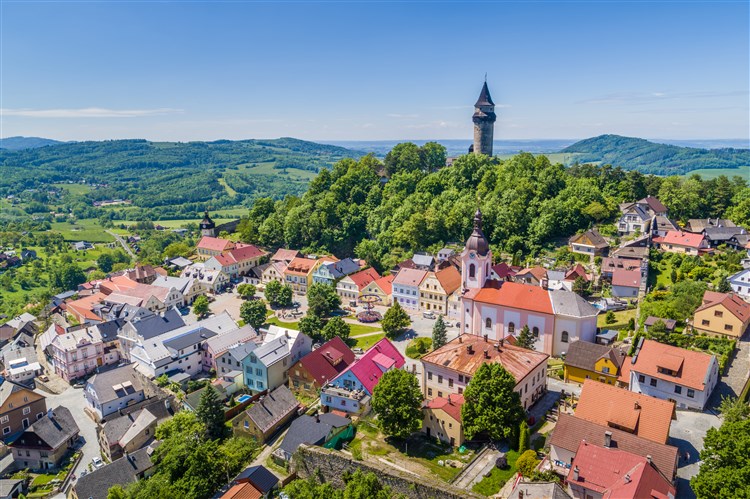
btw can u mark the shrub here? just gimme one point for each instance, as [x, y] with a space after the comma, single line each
[527, 462]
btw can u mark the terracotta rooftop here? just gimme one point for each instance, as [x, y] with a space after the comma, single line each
[364, 277]
[300, 266]
[410, 277]
[451, 405]
[285, 255]
[385, 284]
[645, 416]
[680, 238]
[243, 490]
[570, 431]
[691, 367]
[539, 273]
[450, 279]
[246, 252]
[215, 244]
[627, 278]
[614, 473]
[734, 304]
[515, 295]
[467, 352]
[609, 264]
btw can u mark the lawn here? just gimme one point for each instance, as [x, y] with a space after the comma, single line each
[85, 229]
[365, 342]
[711, 173]
[621, 319]
[360, 329]
[492, 484]
[77, 189]
[275, 321]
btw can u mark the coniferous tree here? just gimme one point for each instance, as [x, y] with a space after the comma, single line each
[439, 333]
[210, 413]
[525, 339]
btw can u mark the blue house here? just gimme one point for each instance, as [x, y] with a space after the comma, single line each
[330, 272]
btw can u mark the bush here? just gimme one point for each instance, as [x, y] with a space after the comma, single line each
[523, 438]
[527, 462]
[418, 347]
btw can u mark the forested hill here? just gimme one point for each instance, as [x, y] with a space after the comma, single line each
[528, 203]
[16, 143]
[649, 157]
[174, 177]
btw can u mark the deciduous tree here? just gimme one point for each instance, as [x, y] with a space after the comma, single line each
[311, 325]
[253, 312]
[246, 291]
[336, 327]
[395, 321]
[322, 299]
[491, 403]
[200, 306]
[397, 401]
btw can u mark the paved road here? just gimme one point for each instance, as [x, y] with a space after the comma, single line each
[72, 398]
[122, 242]
[687, 434]
[732, 383]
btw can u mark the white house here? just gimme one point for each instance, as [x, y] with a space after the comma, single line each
[406, 288]
[575, 320]
[671, 373]
[740, 283]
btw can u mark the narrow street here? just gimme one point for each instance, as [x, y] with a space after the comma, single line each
[122, 242]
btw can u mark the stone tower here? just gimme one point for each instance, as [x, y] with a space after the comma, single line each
[208, 227]
[484, 122]
[476, 258]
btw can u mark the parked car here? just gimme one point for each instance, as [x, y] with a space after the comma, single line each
[358, 351]
[428, 315]
[97, 462]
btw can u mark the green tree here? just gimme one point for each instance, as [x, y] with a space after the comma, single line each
[523, 437]
[439, 333]
[527, 462]
[610, 317]
[116, 492]
[359, 485]
[311, 325]
[395, 321]
[432, 156]
[210, 413]
[725, 467]
[580, 286]
[176, 249]
[673, 276]
[278, 295]
[105, 262]
[724, 286]
[253, 312]
[525, 339]
[336, 327]
[246, 291]
[397, 401]
[200, 306]
[491, 403]
[734, 409]
[322, 299]
[403, 157]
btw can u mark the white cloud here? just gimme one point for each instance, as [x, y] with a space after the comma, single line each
[89, 112]
[402, 116]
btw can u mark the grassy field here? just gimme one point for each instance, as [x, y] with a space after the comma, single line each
[622, 317]
[86, 229]
[709, 173]
[365, 342]
[293, 173]
[492, 484]
[76, 189]
[226, 186]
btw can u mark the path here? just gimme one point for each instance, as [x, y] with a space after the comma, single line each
[476, 470]
[122, 242]
[732, 383]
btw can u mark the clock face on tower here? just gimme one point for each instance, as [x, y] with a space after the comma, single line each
[472, 255]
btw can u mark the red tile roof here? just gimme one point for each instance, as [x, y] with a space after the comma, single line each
[624, 376]
[455, 355]
[734, 304]
[243, 490]
[385, 284]
[645, 416]
[366, 370]
[617, 474]
[626, 278]
[326, 362]
[692, 367]
[577, 271]
[450, 279]
[538, 272]
[246, 252]
[364, 277]
[679, 238]
[515, 295]
[451, 405]
[503, 270]
[300, 266]
[215, 244]
[285, 255]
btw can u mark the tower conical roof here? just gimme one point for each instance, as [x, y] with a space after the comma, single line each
[207, 223]
[477, 241]
[484, 97]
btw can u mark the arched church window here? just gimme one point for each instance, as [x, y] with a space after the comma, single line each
[564, 337]
[472, 271]
[536, 332]
[488, 323]
[511, 328]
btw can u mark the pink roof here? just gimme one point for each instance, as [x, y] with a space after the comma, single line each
[246, 252]
[503, 270]
[285, 255]
[383, 361]
[617, 474]
[627, 278]
[679, 238]
[366, 369]
[364, 277]
[215, 244]
[410, 277]
[385, 284]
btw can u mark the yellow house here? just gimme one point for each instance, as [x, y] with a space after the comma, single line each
[586, 360]
[382, 288]
[298, 274]
[722, 313]
[437, 287]
[442, 419]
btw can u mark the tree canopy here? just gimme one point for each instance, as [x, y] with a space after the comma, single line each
[336, 327]
[210, 413]
[491, 403]
[278, 295]
[359, 485]
[322, 299]
[725, 467]
[397, 401]
[253, 312]
[395, 321]
[439, 333]
[200, 306]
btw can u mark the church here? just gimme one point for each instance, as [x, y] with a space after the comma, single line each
[500, 309]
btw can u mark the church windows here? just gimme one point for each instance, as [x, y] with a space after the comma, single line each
[564, 337]
[536, 332]
[488, 323]
[472, 271]
[511, 328]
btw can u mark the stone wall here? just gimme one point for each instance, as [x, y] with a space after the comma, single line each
[330, 466]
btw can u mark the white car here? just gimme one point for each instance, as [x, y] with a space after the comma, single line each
[97, 462]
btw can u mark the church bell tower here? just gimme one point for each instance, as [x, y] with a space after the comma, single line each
[484, 122]
[476, 258]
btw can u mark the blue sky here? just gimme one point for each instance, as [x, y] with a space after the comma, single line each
[373, 70]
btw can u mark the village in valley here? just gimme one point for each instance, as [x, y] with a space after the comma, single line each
[596, 368]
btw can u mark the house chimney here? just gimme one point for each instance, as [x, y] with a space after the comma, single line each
[460, 339]
[575, 473]
[485, 338]
[502, 341]
[626, 478]
[637, 406]
[469, 349]
[497, 347]
[486, 353]
[648, 459]
[607, 439]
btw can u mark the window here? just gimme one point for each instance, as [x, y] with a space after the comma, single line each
[460, 390]
[247, 424]
[6, 430]
[440, 379]
[728, 327]
[605, 370]
[641, 378]
[429, 392]
[691, 393]
[488, 323]
[535, 330]
[429, 375]
[511, 328]
[460, 378]
[440, 394]
[705, 322]
[718, 313]
[472, 271]
[4, 419]
[450, 382]
[564, 337]
[26, 410]
[260, 384]
[258, 372]
[678, 389]
[652, 382]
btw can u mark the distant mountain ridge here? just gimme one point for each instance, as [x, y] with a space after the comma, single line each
[649, 157]
[18, 143]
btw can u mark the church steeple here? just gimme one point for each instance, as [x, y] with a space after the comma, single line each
[484, 122]
[476, 258]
